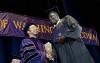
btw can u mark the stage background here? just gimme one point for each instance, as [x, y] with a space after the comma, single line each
[11, 35]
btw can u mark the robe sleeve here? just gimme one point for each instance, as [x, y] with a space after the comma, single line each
[29, 53]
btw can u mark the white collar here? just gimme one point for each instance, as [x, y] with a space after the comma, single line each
[57, 23]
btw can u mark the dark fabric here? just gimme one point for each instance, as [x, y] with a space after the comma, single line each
[32, 51]
[95, 52]
[70, 53]
[9, 48]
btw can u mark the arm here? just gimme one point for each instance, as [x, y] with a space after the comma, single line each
[48, 49]
[71, 21]
[50, 52]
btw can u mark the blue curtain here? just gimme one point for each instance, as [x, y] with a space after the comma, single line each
[95, 52]
[9, 48]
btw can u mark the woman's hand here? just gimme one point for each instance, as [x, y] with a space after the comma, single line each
[15, 61]
[48, 48]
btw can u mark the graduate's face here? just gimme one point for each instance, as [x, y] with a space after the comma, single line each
[33, 30]
[53, 17]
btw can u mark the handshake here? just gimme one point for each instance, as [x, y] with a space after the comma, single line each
[60, 38]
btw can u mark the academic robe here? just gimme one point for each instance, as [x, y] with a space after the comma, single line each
[73, 49]
[32, 51]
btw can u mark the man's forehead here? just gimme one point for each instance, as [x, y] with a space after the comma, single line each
[53, 13]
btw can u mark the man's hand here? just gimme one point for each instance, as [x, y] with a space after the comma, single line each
[15, 61]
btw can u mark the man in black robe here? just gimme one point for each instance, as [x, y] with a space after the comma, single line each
[67, 44]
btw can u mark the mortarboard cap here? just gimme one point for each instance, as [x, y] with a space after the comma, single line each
[55, 9]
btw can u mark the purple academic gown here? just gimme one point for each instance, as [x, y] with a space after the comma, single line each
[32, 51]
